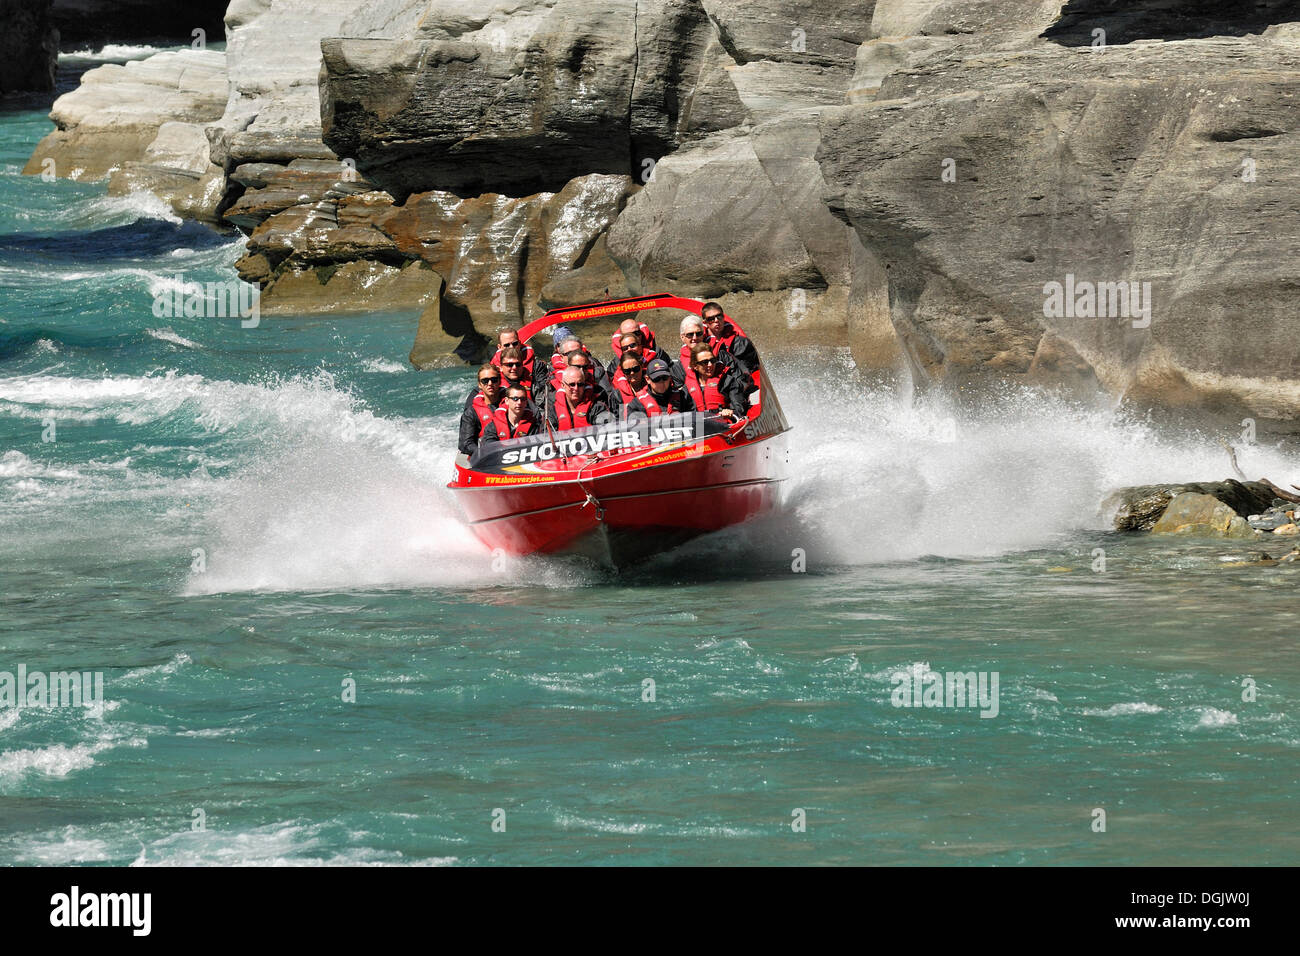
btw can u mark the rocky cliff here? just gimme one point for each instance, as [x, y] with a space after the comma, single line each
[987, 173]
[1094, 194]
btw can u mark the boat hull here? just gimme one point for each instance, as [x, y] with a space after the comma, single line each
[627, 507]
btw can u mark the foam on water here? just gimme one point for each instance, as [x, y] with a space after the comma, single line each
[167, 335]
[59, 760]
[327, 494]
[116, 52]
[895, 480]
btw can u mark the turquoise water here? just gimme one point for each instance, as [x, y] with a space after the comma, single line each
[233, 523]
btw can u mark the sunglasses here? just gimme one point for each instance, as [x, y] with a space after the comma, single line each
[488, 381]
[712, 318]
[515, 398]
[694, 335]
[707, 361]
[631, 368]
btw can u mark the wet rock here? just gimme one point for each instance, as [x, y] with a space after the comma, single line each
[1201, 515]
[1139, 508]
[1287, 529]
[1260, 558]
[358, 286]
[175, 167]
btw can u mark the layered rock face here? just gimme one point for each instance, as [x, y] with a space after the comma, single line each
[709, 106]
[998, 178]
[1093, 194]
[141, 125]
[29, 46]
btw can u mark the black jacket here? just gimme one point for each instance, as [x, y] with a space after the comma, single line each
[734, 388]
[741, 355]
[469, 428]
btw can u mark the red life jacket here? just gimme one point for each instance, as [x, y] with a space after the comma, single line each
[623, 385]
[652, 405]
[559, 364]
[730, 335]
[530, 358]
[575, 419]
[707, 396]
[484, 411]
[646, 336]
[502, 421]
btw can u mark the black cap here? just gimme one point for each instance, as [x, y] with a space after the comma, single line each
[658, 368]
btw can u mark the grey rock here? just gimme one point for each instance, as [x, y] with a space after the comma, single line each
[1141, 507]
[1267, 522]
[116, 114]
[1120, 165]
[273, 48]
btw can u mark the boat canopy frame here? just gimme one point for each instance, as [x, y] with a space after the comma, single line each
[603, 310]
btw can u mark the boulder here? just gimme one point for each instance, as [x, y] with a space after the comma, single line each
[1201, 515]
[518, 98]
[1142, 507]
[175, 167]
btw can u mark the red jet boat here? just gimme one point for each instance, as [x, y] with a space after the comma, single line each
[625, 490]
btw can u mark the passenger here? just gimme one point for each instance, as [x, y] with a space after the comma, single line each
[577, 405]
[715, 387]
[644, 343]
[693, 334]
[545, 389]
[662, 395]
[514, 418]
[630, 377]
[515, 369]
[479, 409]
[731, 345]
[509, 337]
[596, 376]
